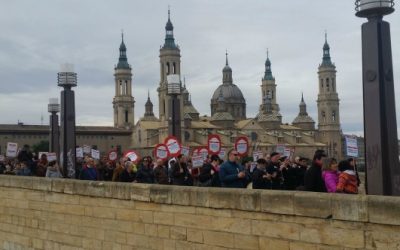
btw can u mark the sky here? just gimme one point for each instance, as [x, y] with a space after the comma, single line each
[38, 36]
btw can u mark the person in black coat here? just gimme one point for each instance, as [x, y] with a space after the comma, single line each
[273, 168]
[209, 173]
[313, 178]
[261, 179]
[127, 175]
[180, 173]
[289, 174]
[145, 172]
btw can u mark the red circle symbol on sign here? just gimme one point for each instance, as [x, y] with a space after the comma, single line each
[242, 145]
[214, 144]
[132, 155]
[112, 155]
[173, 146]
[161, 152]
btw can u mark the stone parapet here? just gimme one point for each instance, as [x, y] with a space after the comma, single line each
[42, 213]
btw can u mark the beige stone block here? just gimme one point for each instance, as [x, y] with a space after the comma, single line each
[37, 243]
[234, 225]
[381, 235]
[138, 228]
[279, 230]
[219, 239]
[177, 233]
[65, 239]
[312, 204]
[192, 220]
[273, 244]
[169, 244]
[181, 195]
[67, 247]
[160, 194]
[104, 212]
[214, 212]
[62, 198]
[194, 235]
[139, 241]
[63, 186]
[150, 229]
[134, 215]
[178, 209]
[223, 198]
[294, 245]
[333, 236]
[163, 218]
[91, 244]
[116, 236]
[140, 192]
[350, 207]
[163, 231]
[117, 190]
[323, 247]
[147, 206]
[184, 245]
[21, 182]
[43, 184]
[277, 202]
[384, 209]
[246, 241]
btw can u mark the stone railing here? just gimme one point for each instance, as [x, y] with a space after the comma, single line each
[42, 213]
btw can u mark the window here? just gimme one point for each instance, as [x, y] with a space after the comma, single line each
[173, 68]
[323, 116]
[167, 68]
[126, 87]
[327, 86]
[322, 83]
[120, 88]
[334, 116]
[126, 116]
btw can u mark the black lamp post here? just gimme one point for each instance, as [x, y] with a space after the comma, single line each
[380, 129]
[53, 109]
[174, 120]
[67, 79]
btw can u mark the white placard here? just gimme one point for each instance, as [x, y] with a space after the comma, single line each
[173, 146]
[12, 149]
[287, 152]
[2, 158]
[197, 161]
[87, 149]
[185, 150]
[351, 146]
[257, 155]
[95, 154]
[51, 157]
[222, 153]
[79, 153]
[280, 148]
[203, 152]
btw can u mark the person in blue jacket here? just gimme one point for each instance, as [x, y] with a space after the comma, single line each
[231, 173]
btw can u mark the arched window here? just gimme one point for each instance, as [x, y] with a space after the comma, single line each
[322, 83]
[120, 88]
[327, 86]
[126, 87]
[268, 94]
[173, 68]
[167, 66]
[334, 116]
[323, 116]
[126, 116]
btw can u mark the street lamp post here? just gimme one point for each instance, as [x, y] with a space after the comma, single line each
[67, 79]
[380, 129]
[53, 109]
[174, 121]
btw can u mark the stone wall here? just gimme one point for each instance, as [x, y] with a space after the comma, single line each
[41, 213]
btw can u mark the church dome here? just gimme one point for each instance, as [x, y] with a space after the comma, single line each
[230, 92]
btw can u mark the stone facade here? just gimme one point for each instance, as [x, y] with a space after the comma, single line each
[41, 213]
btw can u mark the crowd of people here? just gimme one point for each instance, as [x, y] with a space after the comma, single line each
[272, 172]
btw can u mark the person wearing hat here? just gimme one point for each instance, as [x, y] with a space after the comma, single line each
[313, 177]
[260, 178]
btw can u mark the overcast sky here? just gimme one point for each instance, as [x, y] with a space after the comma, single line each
[37, 36]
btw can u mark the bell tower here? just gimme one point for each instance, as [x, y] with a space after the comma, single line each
[328, 105]
[123, 102]
[268, 86]
[170, 63]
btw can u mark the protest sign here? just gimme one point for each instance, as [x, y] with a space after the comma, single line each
[95, 154]
[12, 149]
[214, 144]
[197, 161]
[112, 155]
[161, 152]
[87, 149]
[257, 155]
[132, 155]
[203, 152]
[79, 152]
[242, 145]
[2, 158]
[222, 153]
[51, 157]
[351, 146]
[173, 146]
[185, 150]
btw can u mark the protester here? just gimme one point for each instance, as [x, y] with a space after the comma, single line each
[232, 174]
[289, 174]
[160, 173]
[180, 172]
[53, 170]
[23, 169]
[347, 179]
[273, 168]
[209, 173]
[41, 166]
[330, 174]
[128, 174]
[108, 171]
[313, 177]
[145, 172]
[89, 171]
[261, 179]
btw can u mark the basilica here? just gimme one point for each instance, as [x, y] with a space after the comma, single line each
[228, 116]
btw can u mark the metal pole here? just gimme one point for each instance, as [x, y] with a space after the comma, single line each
[380, 127]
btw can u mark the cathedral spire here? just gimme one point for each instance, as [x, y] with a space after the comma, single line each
[227, 71]
[303, 106]
[169, 33]
[268, 72]
[326, 58]
[123, 59]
